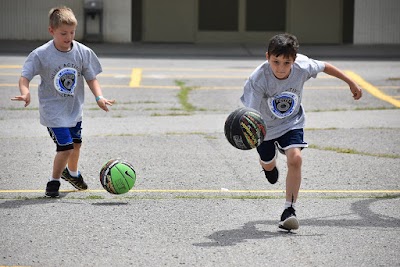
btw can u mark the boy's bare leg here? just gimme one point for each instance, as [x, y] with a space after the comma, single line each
[293, 178]
[74, 158]
[75, 180]
[60, 161]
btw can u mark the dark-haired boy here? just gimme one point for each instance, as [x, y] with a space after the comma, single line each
[275, 89]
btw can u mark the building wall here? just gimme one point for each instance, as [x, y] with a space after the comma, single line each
[316, 21]
[28, 19]
[377, 22]
[313, 21]
[117, 21]
[169, 21]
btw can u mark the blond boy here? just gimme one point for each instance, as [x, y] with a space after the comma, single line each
[62, 64]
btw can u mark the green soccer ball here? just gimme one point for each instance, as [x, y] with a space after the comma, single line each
[117, 176]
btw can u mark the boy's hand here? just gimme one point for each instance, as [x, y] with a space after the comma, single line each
[103, 102]
[356, 90]
[26, 98]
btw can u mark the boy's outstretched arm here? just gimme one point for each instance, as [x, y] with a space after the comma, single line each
[334, 71]
[96, 90]
[24, 90]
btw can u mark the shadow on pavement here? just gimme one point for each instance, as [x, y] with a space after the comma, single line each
[249, 230]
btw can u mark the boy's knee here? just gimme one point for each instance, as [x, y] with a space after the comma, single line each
[294, 159]
[268, 166]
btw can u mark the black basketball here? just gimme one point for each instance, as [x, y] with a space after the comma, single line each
[245, 129]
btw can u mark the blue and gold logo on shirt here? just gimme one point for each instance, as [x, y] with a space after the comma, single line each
[283, 105]
[65, 81]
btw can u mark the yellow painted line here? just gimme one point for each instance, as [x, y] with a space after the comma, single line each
[159, 86]
[10, 66]
[114, 75]
[10, 74]
[183, 69]
[241, 88]
[139, 86]
[372, 89]
[16, 85]
[114, 86]
[218, 88]
[8, 84]
[136, 77]
[180, 76]
[107, 86]
[142, 86]
[339, 191]
[197, 88]
[177, 87]
[200, 69]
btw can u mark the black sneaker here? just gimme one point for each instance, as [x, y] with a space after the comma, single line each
[288, 220]
[52, 189]
[272, 175]
[77, 182]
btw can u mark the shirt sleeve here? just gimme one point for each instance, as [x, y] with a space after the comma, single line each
[252, 95]
[316, 67]
[31, 66]
[312, 66]
[91, 66]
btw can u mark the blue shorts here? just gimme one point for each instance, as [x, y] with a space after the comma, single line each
[293, 138]
[65, 138]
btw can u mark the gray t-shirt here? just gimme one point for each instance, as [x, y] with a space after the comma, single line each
[279, 101]
[61, 89]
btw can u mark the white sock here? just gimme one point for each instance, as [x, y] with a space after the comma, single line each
[289, 204]
[54, 179]
[75, 174]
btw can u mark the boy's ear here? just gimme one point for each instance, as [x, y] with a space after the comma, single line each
[51, 31]
[266, 55]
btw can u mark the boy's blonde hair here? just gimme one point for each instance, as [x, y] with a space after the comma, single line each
[61, 15]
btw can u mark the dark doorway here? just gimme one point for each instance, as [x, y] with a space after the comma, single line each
[137, 20]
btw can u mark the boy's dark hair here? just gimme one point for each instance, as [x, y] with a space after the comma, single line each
[283, 44]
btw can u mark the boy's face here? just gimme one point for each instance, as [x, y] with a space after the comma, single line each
[280, 66]
[63, 36]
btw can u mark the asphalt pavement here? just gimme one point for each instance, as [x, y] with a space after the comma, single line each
[197, 200]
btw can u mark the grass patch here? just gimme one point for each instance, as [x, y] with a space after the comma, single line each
[183, 96]
[243, 197]
[353, 151]
[387, 196]
[138, 102]
[170, 114]
[327, 110]
[374, 108]
[124, 134]
[205, 135]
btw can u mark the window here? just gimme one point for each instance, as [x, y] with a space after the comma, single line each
[218, 15]
[265, 15]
